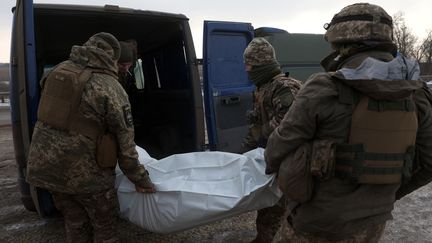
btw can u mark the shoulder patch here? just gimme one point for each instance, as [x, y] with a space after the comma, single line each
[286, 98]
[127, 114]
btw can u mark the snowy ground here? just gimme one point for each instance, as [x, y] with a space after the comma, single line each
[412, 218]
[6, 103]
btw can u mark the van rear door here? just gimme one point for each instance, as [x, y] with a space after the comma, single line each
[23, 71]
[228, 93]
[24, 101]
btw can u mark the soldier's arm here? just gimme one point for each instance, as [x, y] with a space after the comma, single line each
[119, 120]
[423, 162]
[253, 118]
[298, 125]
[249, 142]
[281, 100]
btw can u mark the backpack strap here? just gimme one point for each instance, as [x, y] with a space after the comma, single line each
[347, 95]
[391, 105]
[78, 122]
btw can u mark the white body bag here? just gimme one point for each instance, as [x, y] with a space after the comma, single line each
[197, 188]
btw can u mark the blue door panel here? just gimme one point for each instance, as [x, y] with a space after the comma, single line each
[227, 89]
[31, 73]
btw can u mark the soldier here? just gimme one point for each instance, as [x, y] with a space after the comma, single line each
[273, 97]
[84, 124]
[126, 63]
[377, 115]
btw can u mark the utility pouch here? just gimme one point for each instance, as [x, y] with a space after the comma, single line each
[294, 177]
[106, 150]
[322, 163]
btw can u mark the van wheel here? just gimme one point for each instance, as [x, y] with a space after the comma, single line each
[26, 198]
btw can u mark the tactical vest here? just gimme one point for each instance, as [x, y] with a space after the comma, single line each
[380, 148]
[59, 108]
[60, 100]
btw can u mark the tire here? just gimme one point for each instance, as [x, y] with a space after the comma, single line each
[27, 201]
[26, 198]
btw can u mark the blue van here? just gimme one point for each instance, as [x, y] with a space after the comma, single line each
[174, 110]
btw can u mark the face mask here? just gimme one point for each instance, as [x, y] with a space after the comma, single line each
[260, 75]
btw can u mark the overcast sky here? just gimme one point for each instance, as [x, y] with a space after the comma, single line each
[302, 16]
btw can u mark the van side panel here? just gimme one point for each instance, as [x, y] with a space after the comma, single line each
[300, 54]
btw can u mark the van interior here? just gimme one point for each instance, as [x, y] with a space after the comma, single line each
[163, 106]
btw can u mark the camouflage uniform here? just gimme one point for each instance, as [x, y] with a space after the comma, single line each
[271, 101]
[101, 208]
[64, 161]
[341, 210]
[273, 97]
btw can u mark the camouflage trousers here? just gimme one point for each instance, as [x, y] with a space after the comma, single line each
[89, 217]
[269, 221]
[369, 235]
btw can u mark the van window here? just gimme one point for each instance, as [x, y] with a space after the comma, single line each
[139, 75]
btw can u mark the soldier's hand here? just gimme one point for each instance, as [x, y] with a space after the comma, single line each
[269, 170]
[252, 117]
[151, 189]
[146, 185]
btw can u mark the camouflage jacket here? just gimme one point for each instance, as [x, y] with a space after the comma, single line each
[64, 161]
[339, 208]
[271, 101]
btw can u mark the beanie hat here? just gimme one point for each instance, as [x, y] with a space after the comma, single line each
[259, 52]
[126, 54]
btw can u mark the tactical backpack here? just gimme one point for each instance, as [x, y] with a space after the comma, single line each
[381, 142]
[58, 107]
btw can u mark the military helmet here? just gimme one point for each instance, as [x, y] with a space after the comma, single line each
[360, 22]
[259, 52]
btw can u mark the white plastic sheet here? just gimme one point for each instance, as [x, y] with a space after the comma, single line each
[197, 188]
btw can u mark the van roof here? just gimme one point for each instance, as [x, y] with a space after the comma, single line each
[106, 8]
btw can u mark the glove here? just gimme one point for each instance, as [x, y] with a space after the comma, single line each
[269, 170]
[146, 185]
[252, 117]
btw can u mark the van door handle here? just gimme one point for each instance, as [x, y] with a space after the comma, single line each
[231, 100]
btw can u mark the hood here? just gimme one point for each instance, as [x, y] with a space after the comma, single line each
[101, 51]
[390, 80]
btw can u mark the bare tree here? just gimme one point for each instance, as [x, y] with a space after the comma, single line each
[404, 38]
[426, 48]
